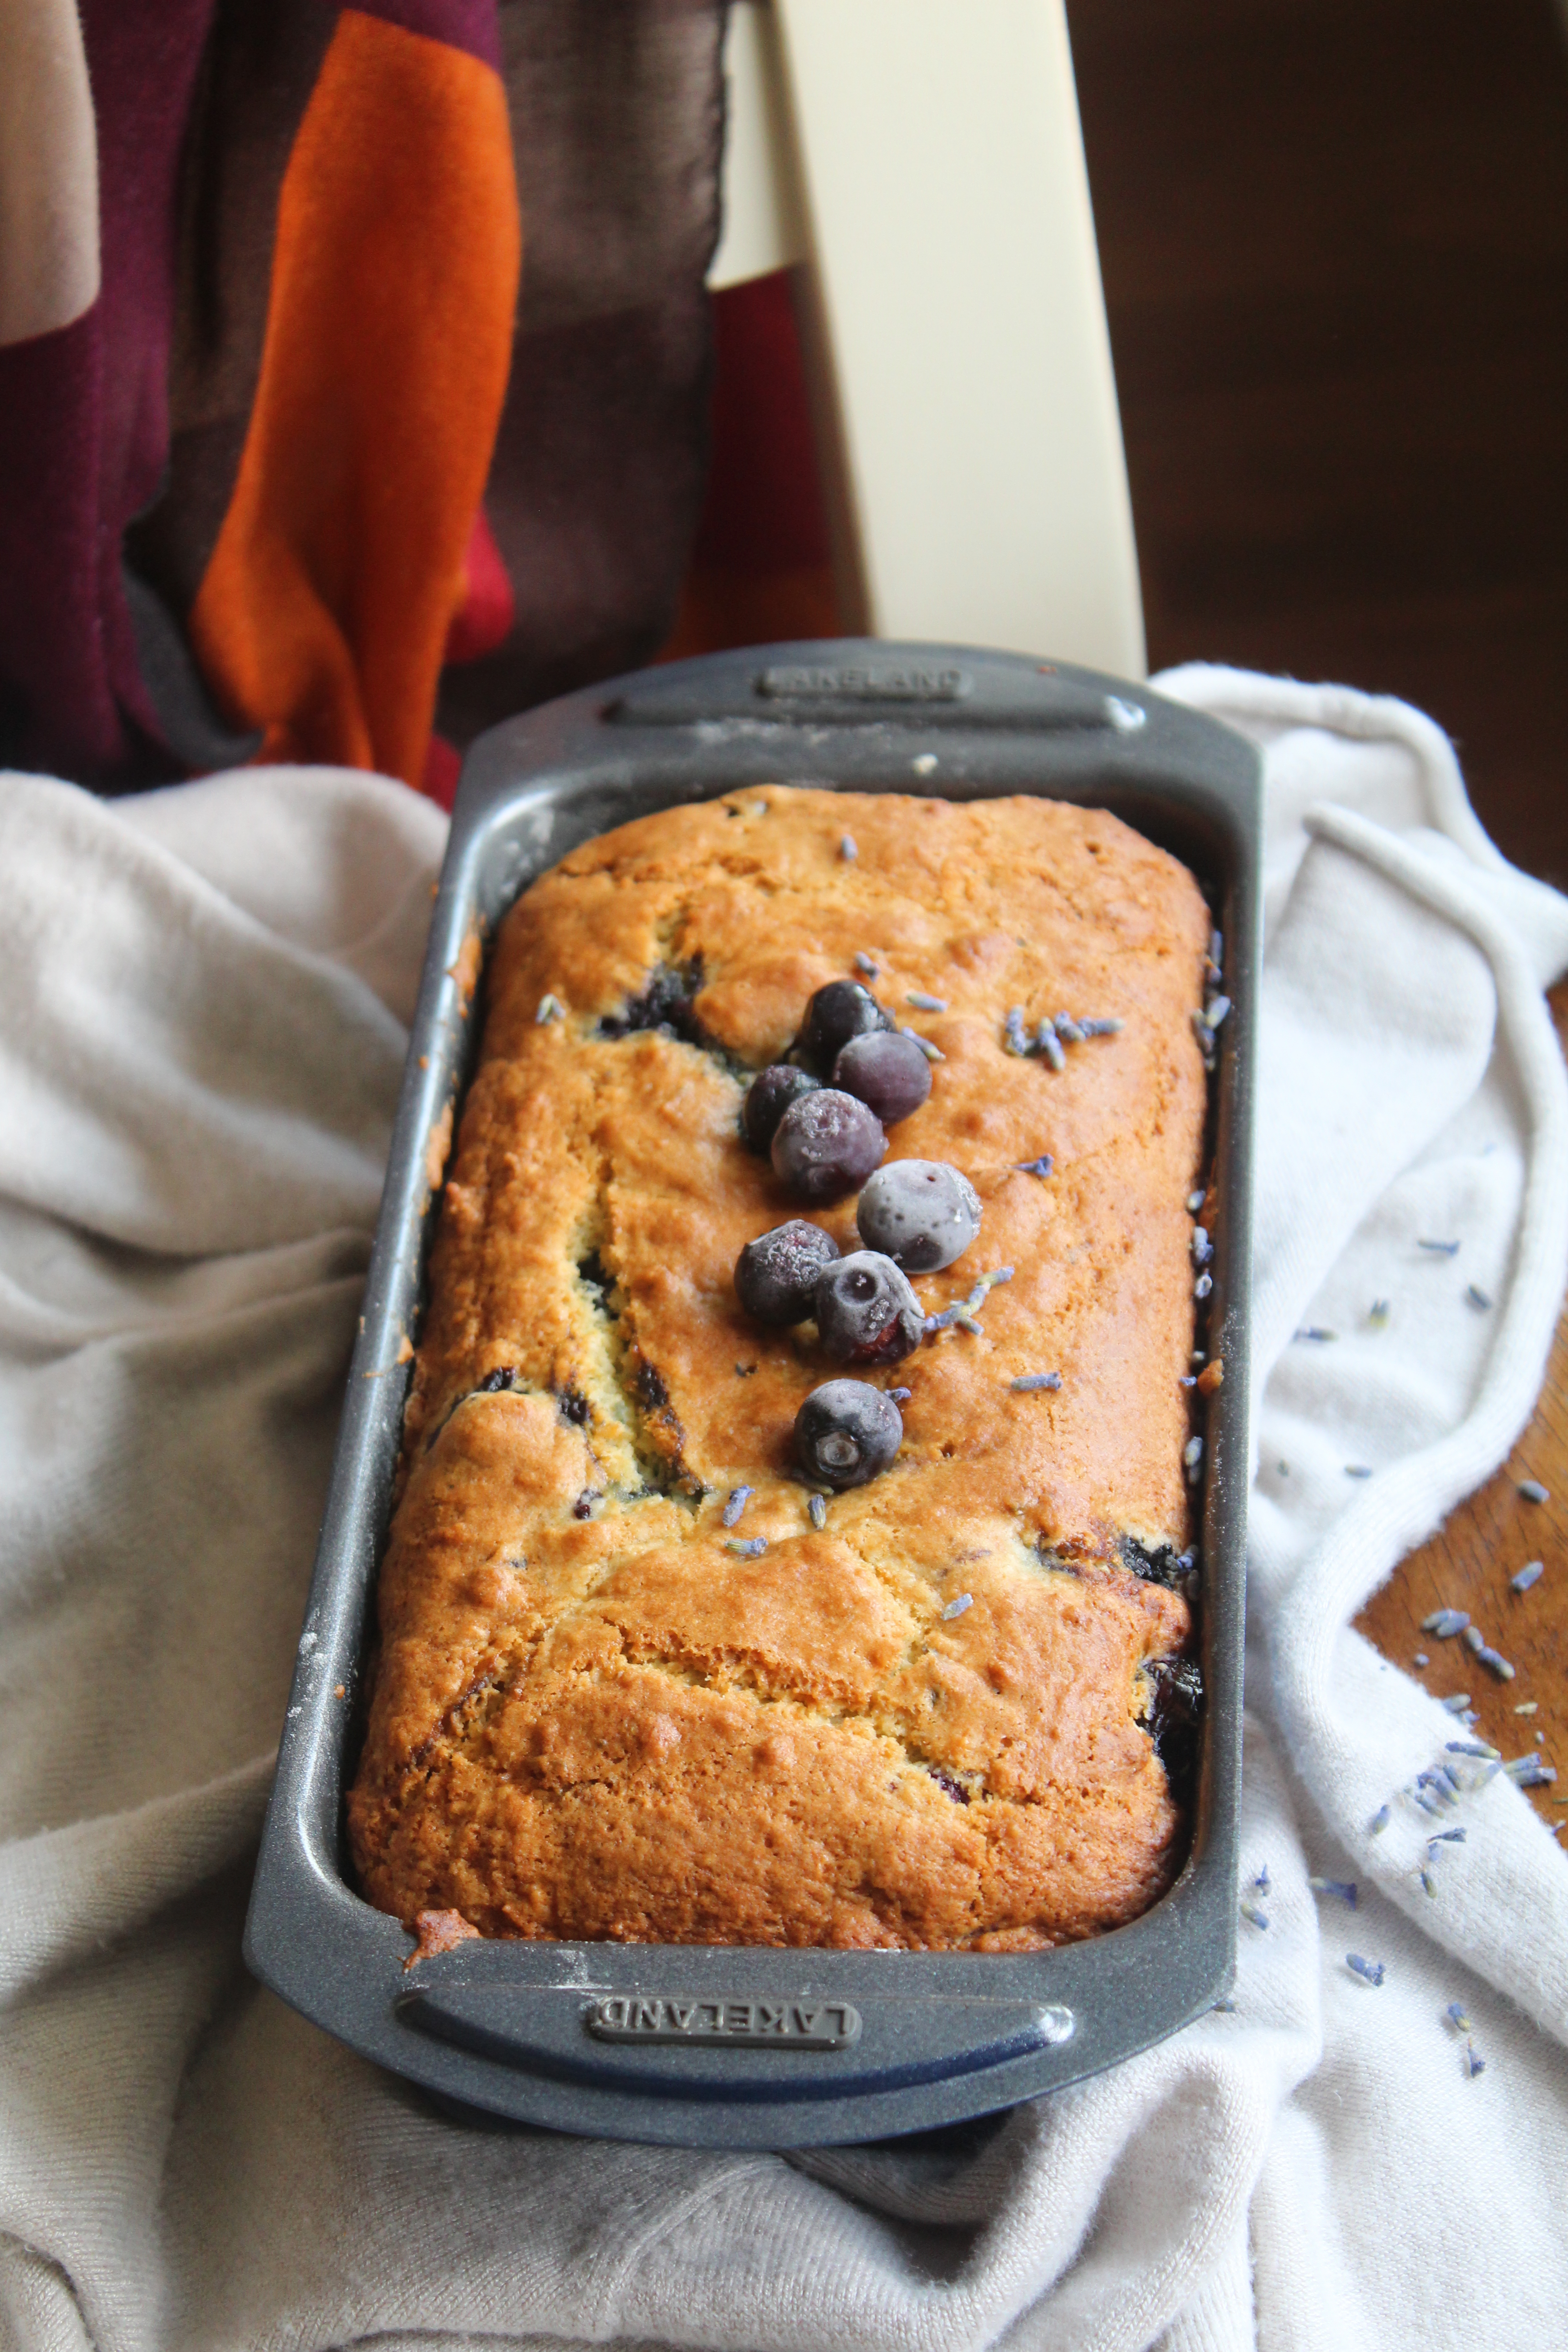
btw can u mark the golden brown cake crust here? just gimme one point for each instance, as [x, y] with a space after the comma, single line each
[591, 1716]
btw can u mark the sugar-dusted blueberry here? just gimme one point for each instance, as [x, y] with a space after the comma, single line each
[886, 1071]
[776, 1275]
[768, 1098]
[845, 1432]
[922, 1213]
[826, 1144]
[866, 1311]
[842, 1010]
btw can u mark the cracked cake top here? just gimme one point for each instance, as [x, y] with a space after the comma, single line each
[609, 1702]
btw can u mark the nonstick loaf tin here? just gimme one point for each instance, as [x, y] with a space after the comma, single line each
[749, 2047]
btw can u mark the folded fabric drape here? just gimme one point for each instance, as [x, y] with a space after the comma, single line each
[201, 1024]
[285, 461]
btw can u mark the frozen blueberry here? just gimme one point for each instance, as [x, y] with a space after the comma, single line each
[886, 1071]
[776, 1275]
[826, 1144]
[866, 1311]
[922, 1213]
[768, 1098]
[842, 1010]
[845, 1432]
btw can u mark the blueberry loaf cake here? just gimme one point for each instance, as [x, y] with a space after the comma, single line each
[790, 1543]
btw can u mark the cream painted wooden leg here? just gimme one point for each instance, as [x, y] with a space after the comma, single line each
[925, 157]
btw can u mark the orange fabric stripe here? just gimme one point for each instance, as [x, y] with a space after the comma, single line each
[340, 564]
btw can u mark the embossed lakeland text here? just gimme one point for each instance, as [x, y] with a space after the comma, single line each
[876, 682]
[743, 2025]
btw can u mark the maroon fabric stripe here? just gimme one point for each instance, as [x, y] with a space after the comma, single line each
[84, 421]
[57, 706]
[469, 25]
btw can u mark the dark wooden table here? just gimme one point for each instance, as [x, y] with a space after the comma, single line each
[1468, 1567]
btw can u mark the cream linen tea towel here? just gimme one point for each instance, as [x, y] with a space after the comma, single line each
[202, 1010]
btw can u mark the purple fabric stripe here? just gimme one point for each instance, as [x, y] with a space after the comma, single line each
[469, 25]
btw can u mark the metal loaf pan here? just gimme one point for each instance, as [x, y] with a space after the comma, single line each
[735, 2047]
